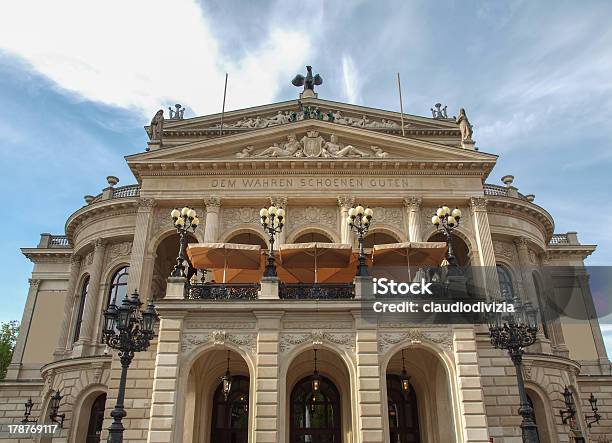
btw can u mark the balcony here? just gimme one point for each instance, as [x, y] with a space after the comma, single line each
[221, 292]
[319, 291]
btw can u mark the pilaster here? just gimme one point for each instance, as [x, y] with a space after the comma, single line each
[267, 407]
[472, 407]
[62, 342]
[368, 383]
[165, 380]
[91, 302]
[211, 230]
[141, 235]
[345, 203]
[24, 329]
[484, 244]
[413, 211]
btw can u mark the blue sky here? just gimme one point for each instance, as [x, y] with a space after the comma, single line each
[75, 91]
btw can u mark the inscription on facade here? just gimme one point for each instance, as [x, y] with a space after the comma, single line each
[310, 183]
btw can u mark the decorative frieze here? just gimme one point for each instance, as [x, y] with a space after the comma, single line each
[290, 324]
[239, 216]
[317, 337]
[505, 251]
[117, 250]
[443, 339]
[245, 341]
[388, 216]
[314, 215]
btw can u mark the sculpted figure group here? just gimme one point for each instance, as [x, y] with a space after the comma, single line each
[312, 145]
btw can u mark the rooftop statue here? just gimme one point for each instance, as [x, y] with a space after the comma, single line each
[464, 126]
[157, 125]
[309, 81]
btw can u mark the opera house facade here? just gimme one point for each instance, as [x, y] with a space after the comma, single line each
[317, 160]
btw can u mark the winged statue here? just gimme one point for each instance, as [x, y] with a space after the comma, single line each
[309, 81]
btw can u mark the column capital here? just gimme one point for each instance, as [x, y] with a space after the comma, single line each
[146, 203]
[413, 203]
[213, 201]
[521, 242]
[346, 201]
[278, 201]
[34, 283]
[478, 203]
[99, 243]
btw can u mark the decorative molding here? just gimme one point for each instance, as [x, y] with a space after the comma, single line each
[34, 283]
[162, 221]
[413, 203]
[505, 251]
[238, 216]
[212, 202]
[201, 324]
[317, 337]
[346, 201]
[478, 203]
[245, 341]
[115, 250]
[322, 216]
[278, 201]
[444, 339]
[290, 324]
[388, 216]
[146, 203]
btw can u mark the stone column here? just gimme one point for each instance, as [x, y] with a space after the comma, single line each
[369, 379]
[91, 302]
[345, 203]
[71, 291]
[484, 243]
[211, 230]
[24, 329]
[165, 379]
[472, 408]
[413, 211]
[267, 408]
[280, 202]
[141, 235]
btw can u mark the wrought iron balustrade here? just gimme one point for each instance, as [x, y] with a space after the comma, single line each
[310, 291]
[220, 291]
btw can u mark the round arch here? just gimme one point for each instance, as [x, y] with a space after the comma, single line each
[386, 234]
[197, 390]
[241, 235]
[332, 362]
[543, 411]
[160, 236]
[82, 410]
[444, 394]
[312, 229]
[459, 232]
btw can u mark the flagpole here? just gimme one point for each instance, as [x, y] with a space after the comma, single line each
[223, 109]
[399, 88]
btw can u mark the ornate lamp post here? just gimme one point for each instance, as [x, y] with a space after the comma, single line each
[129, 330]
[272, 222]
[514, 333]
[446, 220]
[595, 417]
[184, 220]
[358, 220]
[569, 413]
[28, 411]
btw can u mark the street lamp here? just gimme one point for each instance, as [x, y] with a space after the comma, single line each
[54, 403]
[227, 379]
[446, 220]
[184, 220]
[272, 222]
[569, 413]
[514, 333]
[592, 418]
[358, 220]
[129, 330]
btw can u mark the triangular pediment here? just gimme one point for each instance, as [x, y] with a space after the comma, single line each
[312, 140]
[177, 132]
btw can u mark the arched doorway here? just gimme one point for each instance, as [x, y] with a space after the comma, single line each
[165, 259]
[96, 418]
[230, 417]
[315, 415]
[541, 414]
[403, 412]
[248, 238]
[378, 238]
[311, 237]
[460, 248]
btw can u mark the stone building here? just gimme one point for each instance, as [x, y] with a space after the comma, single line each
[315, 158]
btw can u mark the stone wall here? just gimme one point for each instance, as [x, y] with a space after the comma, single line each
[12, 399]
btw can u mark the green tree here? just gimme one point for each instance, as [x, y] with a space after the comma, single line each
[8, 338]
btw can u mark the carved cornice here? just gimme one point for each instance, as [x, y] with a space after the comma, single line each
[288, 341]
[245, 341]
[98, 211]
[443, 339]
[525, 211]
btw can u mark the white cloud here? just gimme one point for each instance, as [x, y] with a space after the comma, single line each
[144, 54]
[350, 80]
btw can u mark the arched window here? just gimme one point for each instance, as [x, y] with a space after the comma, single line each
[118, 286]
[505, 282]
[312, 237]
[315, 416]
[96, 418]
[403, 412]
[378, 238]
[82, 298]
[230, 419]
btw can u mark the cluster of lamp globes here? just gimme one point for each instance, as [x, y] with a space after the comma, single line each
[365, 214]
[185, 218]
[444, 214]
[277, 215]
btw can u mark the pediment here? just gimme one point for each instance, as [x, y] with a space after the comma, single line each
[312, 140]
[178, 132]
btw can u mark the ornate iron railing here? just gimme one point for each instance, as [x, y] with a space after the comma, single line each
[322, 291]
[220, 291]
[559, 239]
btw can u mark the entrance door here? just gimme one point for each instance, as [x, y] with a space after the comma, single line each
[403, 412]
[230, 420]
[96, 417]
[315, 417]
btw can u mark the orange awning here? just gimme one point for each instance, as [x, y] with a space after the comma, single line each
[416, 254]
[225, 256]
[305, 260]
